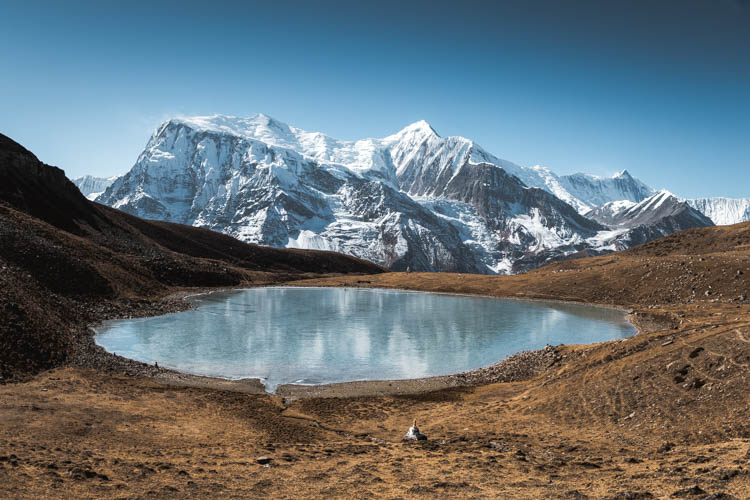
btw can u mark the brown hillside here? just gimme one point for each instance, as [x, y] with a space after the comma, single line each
[65, 261]
[663, 414]
[718, 239]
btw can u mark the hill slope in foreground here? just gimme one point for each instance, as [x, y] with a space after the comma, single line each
[66, 262]
[665, 413]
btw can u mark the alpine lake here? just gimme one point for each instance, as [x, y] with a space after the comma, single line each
[285, 335]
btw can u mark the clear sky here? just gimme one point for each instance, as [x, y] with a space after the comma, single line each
[659, 87]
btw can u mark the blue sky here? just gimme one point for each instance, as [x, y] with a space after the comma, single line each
[660, 87]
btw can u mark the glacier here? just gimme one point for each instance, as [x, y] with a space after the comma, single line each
[91, 186]
[723, 211]
[410, 201]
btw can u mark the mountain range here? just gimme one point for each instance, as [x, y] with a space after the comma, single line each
[723, 211]
[65, 262]
[410, 201]
[91, 186]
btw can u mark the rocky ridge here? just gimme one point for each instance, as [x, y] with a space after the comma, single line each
[410, 201]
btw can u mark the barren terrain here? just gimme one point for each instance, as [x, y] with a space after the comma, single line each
[662, 414]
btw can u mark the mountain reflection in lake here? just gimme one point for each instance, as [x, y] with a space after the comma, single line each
[323, 335]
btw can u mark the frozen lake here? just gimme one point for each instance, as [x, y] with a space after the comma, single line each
[323, 335]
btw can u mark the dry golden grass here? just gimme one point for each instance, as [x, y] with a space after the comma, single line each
[664, 413]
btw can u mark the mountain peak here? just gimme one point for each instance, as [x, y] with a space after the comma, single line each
[420, 126]
[654, 201]
[257, 126]
[267, 120]
[622, 174]
[665, 193]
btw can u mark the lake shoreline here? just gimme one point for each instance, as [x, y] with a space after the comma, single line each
[516, 367]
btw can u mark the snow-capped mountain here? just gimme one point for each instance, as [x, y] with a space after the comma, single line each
[723, 211]
[91, 186]
[656, 216]
[412, 200]
[582, 191]
[593, 191]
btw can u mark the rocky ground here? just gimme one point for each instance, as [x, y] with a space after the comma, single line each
[66, 262]
[663, 414]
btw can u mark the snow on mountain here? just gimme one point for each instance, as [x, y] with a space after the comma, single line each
[609, 212]
[91, 186]
[430, 167]
[656, 216]
[660, 205]
[265, 182]
[593, 191]
[364, 156]
[625, 213]
[582, 191]
[419, 144]
[412, 200]
[723, 211]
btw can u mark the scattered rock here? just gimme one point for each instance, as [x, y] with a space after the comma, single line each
[695, 352]
[264, 460]
[498, 446]
[697, 383]
[81, 473]
[632, 495]
[689, 491]
[419, 489]
[448, 485]
[575, 495]
[666, 447]
[587, 464]
[521, 366]
[727, 474]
